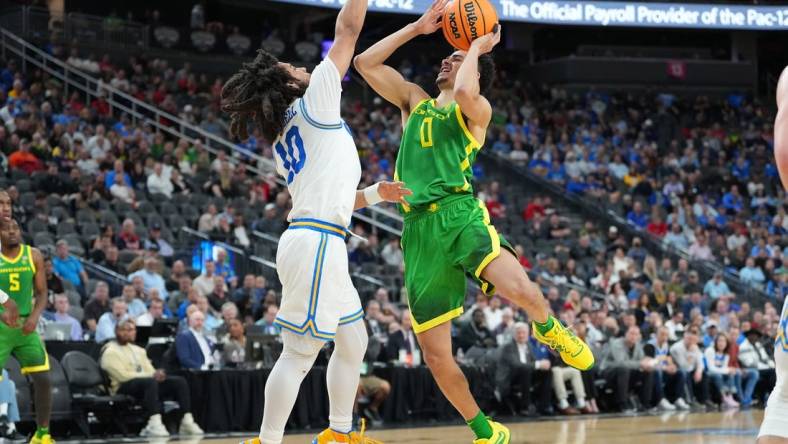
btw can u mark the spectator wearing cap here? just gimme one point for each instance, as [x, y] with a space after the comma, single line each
[270, 222]
[753, 356]
[69, 268]
[716, 287]
[163, 248]
[151, 277]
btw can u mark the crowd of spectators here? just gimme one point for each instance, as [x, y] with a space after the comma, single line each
[653, 324]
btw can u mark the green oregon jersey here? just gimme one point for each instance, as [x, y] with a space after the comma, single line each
[436, 154]
[16, 279]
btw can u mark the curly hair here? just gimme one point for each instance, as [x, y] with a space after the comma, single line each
[261, 90]
[486, 73]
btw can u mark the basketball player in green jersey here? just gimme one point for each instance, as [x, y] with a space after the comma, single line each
[447, 233]
[23, 278]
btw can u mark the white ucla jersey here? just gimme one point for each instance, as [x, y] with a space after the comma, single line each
[781, 355]
[316, 153]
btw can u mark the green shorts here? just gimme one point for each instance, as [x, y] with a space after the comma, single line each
[29, 350]
[442, 244]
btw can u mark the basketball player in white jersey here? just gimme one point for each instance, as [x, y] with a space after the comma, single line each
[315, 153]
[774, 429]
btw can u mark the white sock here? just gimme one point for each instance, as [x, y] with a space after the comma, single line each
[281, 389]
[581, 403]
[343, 374]
[562, 404]
[4, 408]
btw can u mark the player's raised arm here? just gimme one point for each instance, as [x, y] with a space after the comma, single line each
[348, 27]
[467, 91]
[781, 128]
[387, 81]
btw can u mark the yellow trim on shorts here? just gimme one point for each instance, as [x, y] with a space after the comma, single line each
[319, 225]
[496, 246]
[434, 322]
[37, 368]
[467, 132]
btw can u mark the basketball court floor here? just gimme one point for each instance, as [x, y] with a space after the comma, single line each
[732, 427]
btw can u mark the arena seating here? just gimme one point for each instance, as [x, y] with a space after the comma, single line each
[79, 171]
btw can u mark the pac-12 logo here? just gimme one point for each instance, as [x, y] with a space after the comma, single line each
[294, 156]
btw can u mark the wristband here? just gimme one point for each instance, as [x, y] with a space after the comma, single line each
[371, 194]
[3, 297]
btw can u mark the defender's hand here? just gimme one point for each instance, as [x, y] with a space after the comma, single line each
[394, 192]
[430, 21]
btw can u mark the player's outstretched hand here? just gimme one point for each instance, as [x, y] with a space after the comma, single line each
[29, 326]
[430, 21]
[487, 42]
[10, 316]
[394, 192]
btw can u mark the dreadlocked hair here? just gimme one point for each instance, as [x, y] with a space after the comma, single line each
[260, 91]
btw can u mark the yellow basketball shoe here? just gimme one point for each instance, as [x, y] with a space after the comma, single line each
[500, 434]
[573, 351]
[329, 436]
[46, 439]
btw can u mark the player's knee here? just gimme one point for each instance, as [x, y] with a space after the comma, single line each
[518, 289]
[438, 361]
[385, 388]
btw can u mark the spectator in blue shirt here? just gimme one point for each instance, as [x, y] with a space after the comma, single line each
[109, 179]
[716, 287]
[69, 268]
[225, 269]
[105, 330]
[151, 277]
[637, 217]
[502, 145]
[751, 273]
[741, 169]
[732, 200]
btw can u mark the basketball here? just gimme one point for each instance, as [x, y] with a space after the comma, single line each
[466, 20]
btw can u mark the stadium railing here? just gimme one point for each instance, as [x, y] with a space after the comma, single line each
[140, 111]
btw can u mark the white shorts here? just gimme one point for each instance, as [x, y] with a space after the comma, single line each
[775, 419]
[317, 293]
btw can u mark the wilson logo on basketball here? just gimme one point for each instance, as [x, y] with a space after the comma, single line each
[455, 30]
[470, 13]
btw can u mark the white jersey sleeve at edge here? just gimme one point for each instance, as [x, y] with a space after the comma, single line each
[323, 95]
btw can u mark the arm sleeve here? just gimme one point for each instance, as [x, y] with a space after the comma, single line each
[322, 97]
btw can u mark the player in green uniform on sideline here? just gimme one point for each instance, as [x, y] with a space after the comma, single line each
[447, 232]
[23, 278]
